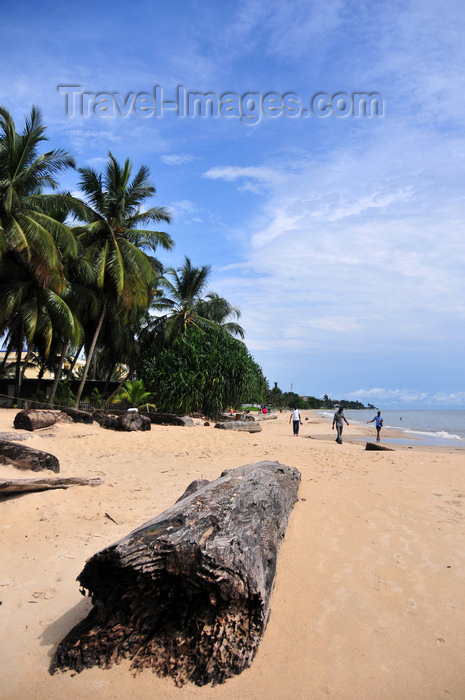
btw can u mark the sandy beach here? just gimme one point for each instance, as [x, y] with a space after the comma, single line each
[370, 587]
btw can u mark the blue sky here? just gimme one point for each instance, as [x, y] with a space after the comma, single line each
[340, 238]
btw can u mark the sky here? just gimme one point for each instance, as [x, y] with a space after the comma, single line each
[339, 233]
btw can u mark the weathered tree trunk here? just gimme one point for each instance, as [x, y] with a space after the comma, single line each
[188, 593]
[90, 354]
[132, 420]
[242, 425]
[58, 369]
[169, 419]
[377, 446]
[30, 419]
[104, 420]
[78, 416]
[27, 457]
[20, 485]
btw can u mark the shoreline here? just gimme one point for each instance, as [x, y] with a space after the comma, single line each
[368, 600]
[407, 438]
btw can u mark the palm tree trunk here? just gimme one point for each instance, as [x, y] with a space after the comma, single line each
[61, 361]
[69, 373]
[90, 354]
[5, 357]
[19, 350]
[26, 360]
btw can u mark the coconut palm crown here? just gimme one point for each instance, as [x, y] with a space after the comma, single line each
[29, 230]
[113, 238]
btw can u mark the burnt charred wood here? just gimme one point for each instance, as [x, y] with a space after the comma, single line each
[188, 593]
[377, 446]
[20, 485]
[78, 416]
[29, 419]
[27, 457]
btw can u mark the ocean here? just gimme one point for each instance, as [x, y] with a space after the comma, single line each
[439, 428]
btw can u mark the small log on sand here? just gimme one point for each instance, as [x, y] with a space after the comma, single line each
[27, 457]
[29, 419]
[188, 593]
[78, 416]
[20, 485]
[104, 420]
[170, 419]
[244, 426]
[132, 420]
[377, 446]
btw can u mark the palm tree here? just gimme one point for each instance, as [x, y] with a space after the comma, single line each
[218, 310]
[113, 239]
[29, 232]
[183, 288]
[185, 304]
[35, 314]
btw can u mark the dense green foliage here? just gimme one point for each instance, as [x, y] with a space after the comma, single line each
[279, 399]
[78, 277]
[202, 372]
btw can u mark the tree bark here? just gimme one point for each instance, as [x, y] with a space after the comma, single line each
[169, 419]
[30, 419]
[90, 354]
[69, 373]
[188, 593]
[133, 420]
[104, 420]
[245, 426]
[61, 361]
[20, 485]
[27, 457]
[78, 416]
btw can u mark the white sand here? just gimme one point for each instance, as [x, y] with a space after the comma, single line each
[369, 601]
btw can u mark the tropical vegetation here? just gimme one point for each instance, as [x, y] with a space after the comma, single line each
[79, 278]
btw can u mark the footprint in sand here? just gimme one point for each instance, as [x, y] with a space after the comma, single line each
[47, 594]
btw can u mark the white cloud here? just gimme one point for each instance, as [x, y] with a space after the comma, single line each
[176, 158]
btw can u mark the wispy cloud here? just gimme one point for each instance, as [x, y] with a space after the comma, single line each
[176, 158]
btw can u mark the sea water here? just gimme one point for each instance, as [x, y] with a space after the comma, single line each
[441, 428]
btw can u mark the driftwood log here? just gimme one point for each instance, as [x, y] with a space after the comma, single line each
[244, 426]
[27, 457]
[29, 419]
[169, 419]
[377, 446]
[127, 422]
[104, 420]
[188, 593]
[20, 485]
[132, 420]
[78, 416]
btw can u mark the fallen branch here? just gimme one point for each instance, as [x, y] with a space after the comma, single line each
[20, 485]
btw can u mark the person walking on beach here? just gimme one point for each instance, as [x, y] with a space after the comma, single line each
[296, 420]
[379, 424]
[338, 420]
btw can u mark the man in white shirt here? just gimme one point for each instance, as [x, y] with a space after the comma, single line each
[296, 421]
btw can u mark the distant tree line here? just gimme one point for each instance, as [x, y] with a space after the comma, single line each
[278, 399]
